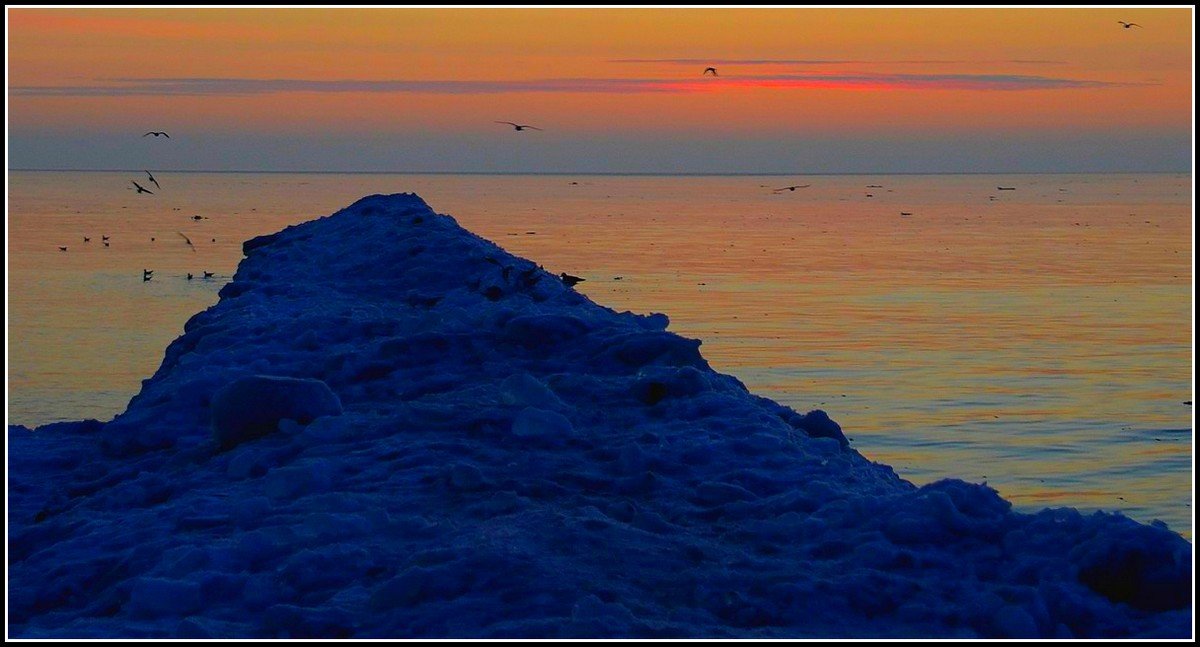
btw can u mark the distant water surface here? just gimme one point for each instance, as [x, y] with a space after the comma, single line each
[1038, 339]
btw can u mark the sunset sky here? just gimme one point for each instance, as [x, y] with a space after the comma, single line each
[615, 90]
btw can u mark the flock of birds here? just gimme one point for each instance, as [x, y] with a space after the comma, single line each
[568, 279]
[147, 274]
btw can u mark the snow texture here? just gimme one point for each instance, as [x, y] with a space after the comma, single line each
[509, 459]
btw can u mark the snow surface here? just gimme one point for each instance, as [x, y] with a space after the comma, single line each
[513, 460]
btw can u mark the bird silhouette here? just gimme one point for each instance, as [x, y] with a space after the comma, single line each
[106, 243]
[709, 69]
[1127, 25]
[570, 280]
[518, 127]
[208, 275]
[187, 240]
[157, 133]
[153, 180]
[86, 239]
[62, 249]
[189, 276]
[792, 188]
[102, 237]
[142, 189]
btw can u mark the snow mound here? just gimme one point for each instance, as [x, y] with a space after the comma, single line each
[513, 460]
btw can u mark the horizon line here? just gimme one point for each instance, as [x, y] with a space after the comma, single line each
[570, 173]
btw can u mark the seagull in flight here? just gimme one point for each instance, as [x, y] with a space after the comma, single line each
[792, 188]
[187, 240]
[518, 127]
[157, 133]
[709, 69]
[1127, 25]
[153, 180]
[142, 189]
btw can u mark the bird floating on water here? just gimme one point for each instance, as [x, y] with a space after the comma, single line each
[570, 280]
[208, 275]
[142, 189]
[1127, 25]
[792, 188]
[189, 276]
[157, 133]
[62, 249]
[518, 127]
[151, 175]
[709, 69]
[1006, 188]
[86, 239]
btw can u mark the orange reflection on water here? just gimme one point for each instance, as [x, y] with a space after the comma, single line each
[1045, 345]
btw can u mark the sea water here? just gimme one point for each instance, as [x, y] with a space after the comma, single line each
[1038, 339]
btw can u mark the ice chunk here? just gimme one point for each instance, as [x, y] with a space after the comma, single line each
[534, 424]
[253, 406]
[525, 390]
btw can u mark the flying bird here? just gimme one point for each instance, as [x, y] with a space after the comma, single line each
[187, 240]
[709, 69]
[792, 188]
[142, 189]
[157, 133]
[1127, 25]
[518, 127]
[153, 180]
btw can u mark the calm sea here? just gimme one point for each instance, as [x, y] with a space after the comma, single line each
[1038, 339]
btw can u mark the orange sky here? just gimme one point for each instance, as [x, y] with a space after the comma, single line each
[848, 72]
